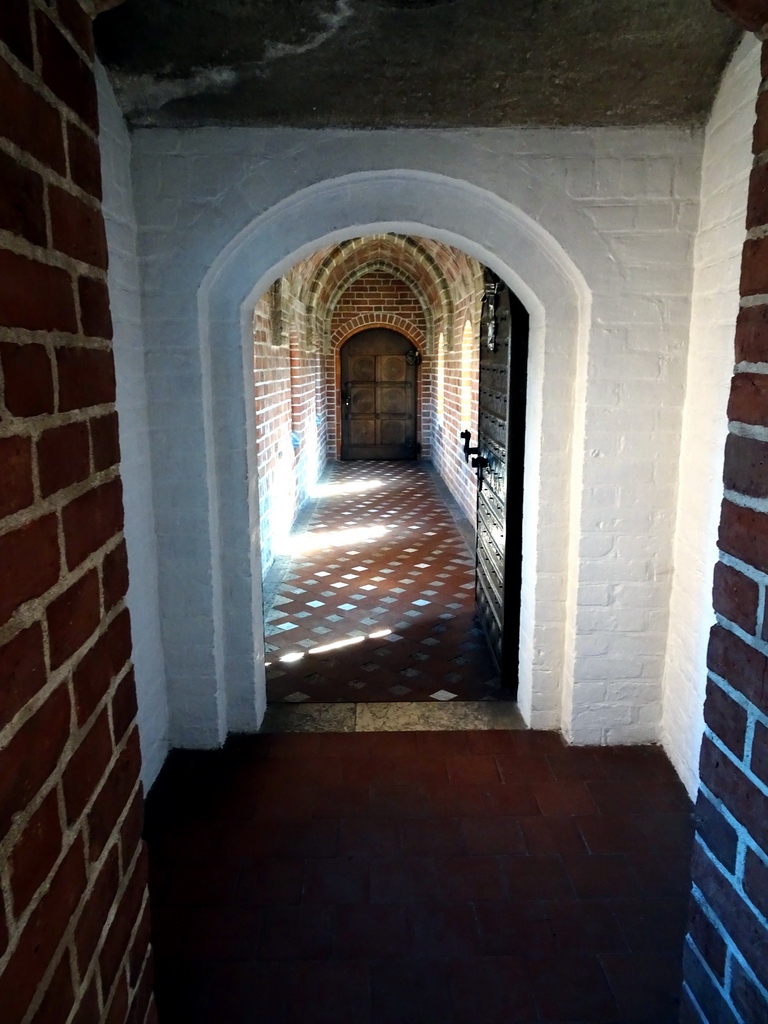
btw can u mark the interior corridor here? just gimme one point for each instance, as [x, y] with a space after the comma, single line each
[209, 213]
[375, 601]
[343, 875]
[493, 877]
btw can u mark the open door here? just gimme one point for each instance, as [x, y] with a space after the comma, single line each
[498, 461]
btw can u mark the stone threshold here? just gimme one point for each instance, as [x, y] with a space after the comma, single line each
[392, 716]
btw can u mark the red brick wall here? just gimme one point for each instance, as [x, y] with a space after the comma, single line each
[309, 420]
[322, 301]
[332, 270]
[726, 953]
[74, 919]
[377, 293]
[459, 375]
[377, 299]
[289, 383]
[272, 398]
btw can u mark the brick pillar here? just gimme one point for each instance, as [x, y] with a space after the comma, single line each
[726, 951]
[73, 908]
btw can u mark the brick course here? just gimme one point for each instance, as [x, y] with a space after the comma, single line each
[746, 466]
[726, 719]
[16, 30]
[29, 120]
[425, 290]
[377, 298]
[22, 282]
[21, 201]
[63, 457]
[729, 873]
[752, 328]
[70, 798]
[744, 534]
[16, 459]
[22, 669]
[748, 399]
[707, 940]
[36, 852]
[736, 597]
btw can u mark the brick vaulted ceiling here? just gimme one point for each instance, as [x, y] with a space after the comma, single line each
[415, 63]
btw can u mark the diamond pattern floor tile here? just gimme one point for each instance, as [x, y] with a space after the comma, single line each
[422, 593]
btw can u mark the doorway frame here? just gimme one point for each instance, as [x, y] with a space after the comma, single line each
[417, 342]
[517, 248]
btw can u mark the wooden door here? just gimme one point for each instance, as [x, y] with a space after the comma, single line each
[499, 468]
[378, 396]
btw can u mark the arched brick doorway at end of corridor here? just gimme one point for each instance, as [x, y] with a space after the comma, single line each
[378, 391]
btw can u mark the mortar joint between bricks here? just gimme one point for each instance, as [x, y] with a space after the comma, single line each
[48, 174]
[52, 12]
[49, 257]
[34, 79]
[59, 500]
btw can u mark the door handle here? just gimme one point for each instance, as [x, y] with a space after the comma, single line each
[467, 435]
[479, 465]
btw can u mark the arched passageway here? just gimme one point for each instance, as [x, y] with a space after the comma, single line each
[448, 355]
[452, 213]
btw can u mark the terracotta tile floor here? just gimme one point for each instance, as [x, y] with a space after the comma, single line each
[407, 878]
[382, 572]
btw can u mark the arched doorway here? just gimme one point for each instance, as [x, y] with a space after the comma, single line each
[232, 691]
[378, 391]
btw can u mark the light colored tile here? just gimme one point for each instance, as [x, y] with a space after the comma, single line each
[309, 718]
[437, 717]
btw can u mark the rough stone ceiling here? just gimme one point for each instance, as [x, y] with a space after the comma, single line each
[415, 63]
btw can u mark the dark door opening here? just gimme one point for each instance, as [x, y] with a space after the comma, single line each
[378, 396]
[498, 462]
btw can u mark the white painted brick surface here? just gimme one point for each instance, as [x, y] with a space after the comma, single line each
[142, 597]
[598, 527]
[726, 165]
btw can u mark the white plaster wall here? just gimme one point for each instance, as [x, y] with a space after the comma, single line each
[726, 165]
[619, 208]
[125, 299]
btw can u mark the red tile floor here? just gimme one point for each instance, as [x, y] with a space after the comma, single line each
[415, 877]
[377, 600]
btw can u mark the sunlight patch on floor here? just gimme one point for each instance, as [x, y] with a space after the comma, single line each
[350, 487]
[347, 642]
[301, 543]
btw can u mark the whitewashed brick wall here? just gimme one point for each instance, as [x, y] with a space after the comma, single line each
[125, 298]
[726, 165]
[594, 229]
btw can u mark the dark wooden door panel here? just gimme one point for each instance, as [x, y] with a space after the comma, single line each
[378, 391]
[362, 367]
[500, 447]
[392, 368]
[394, 401]
[362, 399]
